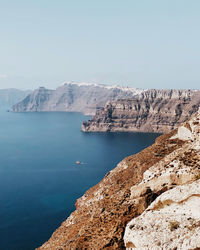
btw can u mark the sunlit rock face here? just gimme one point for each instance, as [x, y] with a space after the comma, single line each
[74, 97]
[172, 221]
[151, 111]
[150, 200]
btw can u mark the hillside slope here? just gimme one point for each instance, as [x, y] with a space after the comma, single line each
[127, 207]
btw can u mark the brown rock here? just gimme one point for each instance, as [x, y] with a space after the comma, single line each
[151, 111]
[103, 212]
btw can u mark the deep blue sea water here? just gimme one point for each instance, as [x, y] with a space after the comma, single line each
[39, 180]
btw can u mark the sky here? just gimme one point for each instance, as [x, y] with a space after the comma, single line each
[136, 43]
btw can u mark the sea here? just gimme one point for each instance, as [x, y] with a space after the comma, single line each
[39, 178]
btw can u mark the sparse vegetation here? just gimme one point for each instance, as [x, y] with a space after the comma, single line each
[197, 177]
[173, 225]
[130, 245]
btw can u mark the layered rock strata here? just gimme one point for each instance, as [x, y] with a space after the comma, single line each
[151, 111]
[73, 97]
[149, 201]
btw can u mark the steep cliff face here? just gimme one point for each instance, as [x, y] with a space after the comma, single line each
[77, 97]
[172, 221]
[36, 101]
[161, 183]
[9, 97]
[151, 111]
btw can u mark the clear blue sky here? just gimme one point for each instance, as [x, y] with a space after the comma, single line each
[140, 43]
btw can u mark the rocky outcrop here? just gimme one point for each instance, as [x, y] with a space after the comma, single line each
[8, 97]
[149, 201]
[151, 111]
[73, 97]
[172, 221]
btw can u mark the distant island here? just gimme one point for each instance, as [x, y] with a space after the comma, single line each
[116, 108]
[74, 97]
[9, 97]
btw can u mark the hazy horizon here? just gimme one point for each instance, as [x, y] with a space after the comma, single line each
[141, 44]
[109, 84]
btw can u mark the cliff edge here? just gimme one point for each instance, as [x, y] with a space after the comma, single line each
[73, 97]
[149, 201]
[152, 111]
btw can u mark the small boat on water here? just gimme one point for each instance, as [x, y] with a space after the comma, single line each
[78, 162]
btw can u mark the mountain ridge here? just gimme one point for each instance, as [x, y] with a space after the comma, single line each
[73, 97]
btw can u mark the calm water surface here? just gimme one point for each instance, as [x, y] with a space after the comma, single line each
[39, 180]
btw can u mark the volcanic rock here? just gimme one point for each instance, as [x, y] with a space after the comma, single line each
[74, 97]
[151, 111]
[153, 196]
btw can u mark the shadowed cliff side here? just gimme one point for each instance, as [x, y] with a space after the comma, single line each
[73, 97]
[151, 111]
[8, 97]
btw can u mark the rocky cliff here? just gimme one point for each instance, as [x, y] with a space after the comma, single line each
[8, 97]
[73, 97]
[151, 111]
[150, 200]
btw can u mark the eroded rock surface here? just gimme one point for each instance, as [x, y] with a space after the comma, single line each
[151, 111]
[172, 221]
[129, 204]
